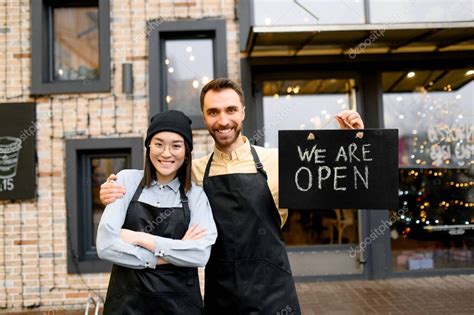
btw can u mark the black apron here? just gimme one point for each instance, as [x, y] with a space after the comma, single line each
[168, 289]
[248, 271]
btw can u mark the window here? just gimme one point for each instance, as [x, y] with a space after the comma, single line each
[324, 235]
[184, 56]
[433, 112]
[70, 46]
[89, 162]
[322, 98]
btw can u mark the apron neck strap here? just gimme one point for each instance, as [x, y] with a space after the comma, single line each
[185, 203]
[258, 164]
[138, 192]
[208, 167]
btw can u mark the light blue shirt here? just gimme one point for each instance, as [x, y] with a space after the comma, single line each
[189, 253]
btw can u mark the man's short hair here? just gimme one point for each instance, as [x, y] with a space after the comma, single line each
[220, 84]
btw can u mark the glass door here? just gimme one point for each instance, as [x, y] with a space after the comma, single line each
[320, 242]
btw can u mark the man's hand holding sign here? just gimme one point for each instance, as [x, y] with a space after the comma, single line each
[351, 168]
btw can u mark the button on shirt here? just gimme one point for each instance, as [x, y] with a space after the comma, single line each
[241, 161]
[189, 253]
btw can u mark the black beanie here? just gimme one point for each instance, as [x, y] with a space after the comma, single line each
[171, 120]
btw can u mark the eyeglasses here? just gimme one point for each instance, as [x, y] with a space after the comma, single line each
[173, 148]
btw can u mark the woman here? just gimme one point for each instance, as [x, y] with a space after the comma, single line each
[161, 230]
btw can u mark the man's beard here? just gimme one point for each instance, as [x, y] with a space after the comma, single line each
[229, 142]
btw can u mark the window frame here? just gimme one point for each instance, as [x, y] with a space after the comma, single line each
[214, 29]
[80, 258]
[41, 49]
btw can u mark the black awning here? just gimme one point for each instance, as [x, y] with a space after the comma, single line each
[359, 39]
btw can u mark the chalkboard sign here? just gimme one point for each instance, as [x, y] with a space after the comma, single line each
[333, 169]
[17, 151]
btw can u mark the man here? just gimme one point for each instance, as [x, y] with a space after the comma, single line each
[248, 271]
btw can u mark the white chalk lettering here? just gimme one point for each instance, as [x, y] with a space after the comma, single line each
[336, 169]
[364, 181]
[318, 156]
[341, 153]
[306, 155]
[364, 152]
[310, 179]
[352, 149]
[320, 177]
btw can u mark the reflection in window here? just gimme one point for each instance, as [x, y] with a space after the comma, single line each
[101, 167]
[437, 230]
[433, 112]
[318, 227]
[76, 43]
[189, 65]
[308, 12]
[302, 104]
[309, 104]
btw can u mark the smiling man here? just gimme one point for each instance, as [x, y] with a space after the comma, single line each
[248, 271]
[223, 113]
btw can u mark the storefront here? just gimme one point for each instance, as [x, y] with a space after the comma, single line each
[407, 68]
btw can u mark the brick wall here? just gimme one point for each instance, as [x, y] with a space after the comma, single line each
[33, 237]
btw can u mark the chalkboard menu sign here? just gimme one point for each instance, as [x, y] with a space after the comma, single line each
[327, 169]
[17, 151]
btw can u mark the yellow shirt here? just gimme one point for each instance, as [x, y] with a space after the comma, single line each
[241, 161]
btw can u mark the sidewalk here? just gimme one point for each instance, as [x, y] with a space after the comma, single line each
[437, 295]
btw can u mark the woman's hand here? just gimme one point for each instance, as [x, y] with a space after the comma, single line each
[349, 119]
[194, 233]
[109, 191]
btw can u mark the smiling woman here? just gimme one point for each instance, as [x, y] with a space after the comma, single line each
[161, 230]
[167, 154]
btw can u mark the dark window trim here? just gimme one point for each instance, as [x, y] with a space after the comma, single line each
[246, 23]
[215, 29]
[75, 244]
[41, 82]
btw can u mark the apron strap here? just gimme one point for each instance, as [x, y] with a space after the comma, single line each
[138, 192]
[258, 164]
[187, 214]
[185, 203]
[208, 167]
